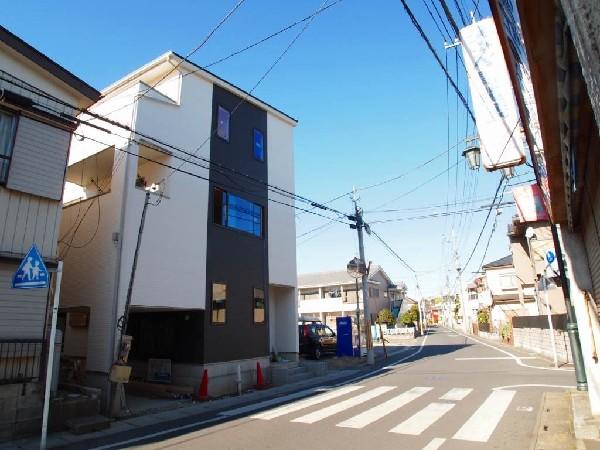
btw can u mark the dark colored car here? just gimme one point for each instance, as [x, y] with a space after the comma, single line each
[316, 339]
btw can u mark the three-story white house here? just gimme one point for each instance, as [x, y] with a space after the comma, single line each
[215, 285]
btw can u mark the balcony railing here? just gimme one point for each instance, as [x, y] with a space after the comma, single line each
[20, 360]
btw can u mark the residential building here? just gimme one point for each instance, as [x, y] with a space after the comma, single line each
[215, 286]
[504, 298]
[328, 295]
[35, 133]
[552, 50]
[529, 261]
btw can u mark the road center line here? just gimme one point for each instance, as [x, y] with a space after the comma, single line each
[493, 357]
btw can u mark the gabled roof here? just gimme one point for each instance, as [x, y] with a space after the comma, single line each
[173, 59]
[334, 277]
[502, 262]
[53, 68]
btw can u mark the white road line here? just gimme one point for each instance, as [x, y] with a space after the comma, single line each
[346, 404]
[456, 394]
[512, 386]
[515, 357]
[434, 444]
[377, 412]
[272, 402]
[422, 420]
[493, 357]
[297, 406]
[483, 422]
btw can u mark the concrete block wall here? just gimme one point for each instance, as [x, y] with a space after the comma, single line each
[20, 410]
[538, 340]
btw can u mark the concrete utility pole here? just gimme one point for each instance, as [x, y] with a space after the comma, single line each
[365, 278]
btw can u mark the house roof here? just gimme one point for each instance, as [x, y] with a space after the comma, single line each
[50, 66]
[502, 262]
[337, 277]
[174, 60]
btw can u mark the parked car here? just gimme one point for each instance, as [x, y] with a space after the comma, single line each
[316, 338]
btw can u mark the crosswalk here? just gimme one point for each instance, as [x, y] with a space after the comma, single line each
[478, 427]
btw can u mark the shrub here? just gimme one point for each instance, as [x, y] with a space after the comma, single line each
[410, 317]
[386, 316]
[483, 316]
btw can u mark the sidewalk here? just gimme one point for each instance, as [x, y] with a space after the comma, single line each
[161, 412]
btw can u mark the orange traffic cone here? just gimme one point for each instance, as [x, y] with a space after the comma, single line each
[260, 381]
[203, 391]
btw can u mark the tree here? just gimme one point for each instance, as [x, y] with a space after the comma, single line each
[409, 317]
[386, 316]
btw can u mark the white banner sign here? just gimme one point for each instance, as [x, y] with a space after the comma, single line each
[498, 123]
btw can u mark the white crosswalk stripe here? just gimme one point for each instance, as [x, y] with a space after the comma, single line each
[293, 407]
[342, 406]
[456, 394]
[422, 420]
[480, 426]
[382, 410]
[434, 444]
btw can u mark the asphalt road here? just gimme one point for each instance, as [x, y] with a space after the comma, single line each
[449, 392]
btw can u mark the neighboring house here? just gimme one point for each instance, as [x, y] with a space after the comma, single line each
[328, 295]
[35, 133]
[524, 263]
[215, 285]
[503, 288]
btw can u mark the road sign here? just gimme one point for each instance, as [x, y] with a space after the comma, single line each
[550, 256]
[32, 272]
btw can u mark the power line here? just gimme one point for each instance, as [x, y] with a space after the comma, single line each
[212, 165]
[429, 180]
[198, 47]
[391, 250]
[502, 179]
[442, 214]
[487, 246]
[436, 57]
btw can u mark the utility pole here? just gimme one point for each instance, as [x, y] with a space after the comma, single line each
[118, 400]
[360, 224]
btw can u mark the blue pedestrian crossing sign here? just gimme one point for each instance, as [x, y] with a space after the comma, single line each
[32, 272]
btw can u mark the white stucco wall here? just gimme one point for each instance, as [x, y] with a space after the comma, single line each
[281, 221]
[172, 261]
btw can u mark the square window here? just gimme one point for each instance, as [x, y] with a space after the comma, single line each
[223, 123]
[259, 305]
[8, 127]
[219, 300]
[235, 212]
[258, 145]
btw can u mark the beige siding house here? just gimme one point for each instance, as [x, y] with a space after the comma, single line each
[35, 133]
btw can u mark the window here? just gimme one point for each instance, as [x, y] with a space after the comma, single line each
[373, 292]
[223, 123]
[259, 305]
[219, 303]
[258, 145]
[508, 282]
[8, 124]
[238, 213]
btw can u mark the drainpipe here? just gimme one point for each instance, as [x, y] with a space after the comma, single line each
[572, 329]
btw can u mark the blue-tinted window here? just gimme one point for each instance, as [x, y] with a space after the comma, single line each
[259, 147]
[223, 123]
[238, 213]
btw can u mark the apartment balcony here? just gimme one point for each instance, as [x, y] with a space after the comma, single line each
[318, 305]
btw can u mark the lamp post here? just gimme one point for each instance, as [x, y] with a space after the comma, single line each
[529, 235]
[356, 268]
[473, 153]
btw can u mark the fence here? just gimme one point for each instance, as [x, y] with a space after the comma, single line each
[533, 333]
[20, 360]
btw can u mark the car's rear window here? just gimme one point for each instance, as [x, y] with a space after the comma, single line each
[321, 330]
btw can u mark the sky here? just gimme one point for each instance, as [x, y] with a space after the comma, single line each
[371, 102]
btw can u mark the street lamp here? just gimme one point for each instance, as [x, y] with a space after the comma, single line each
[473, 153]
[356, 268]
